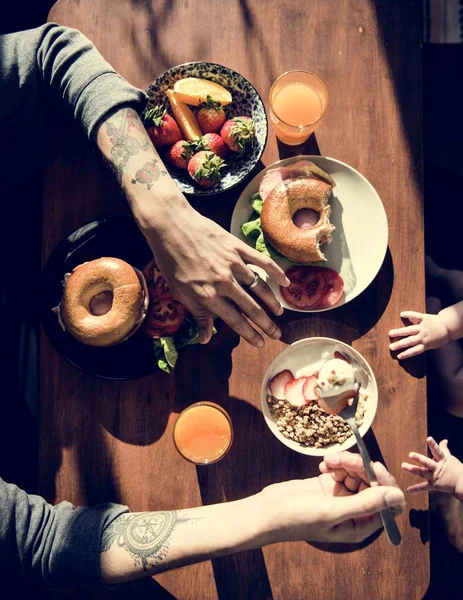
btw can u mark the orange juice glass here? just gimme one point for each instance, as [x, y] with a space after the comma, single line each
[203, 433]
[298, 102]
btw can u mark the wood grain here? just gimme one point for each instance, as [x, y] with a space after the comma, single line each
[112, 441]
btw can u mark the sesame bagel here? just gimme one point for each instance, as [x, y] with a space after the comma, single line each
[126, 311]
[278, 210]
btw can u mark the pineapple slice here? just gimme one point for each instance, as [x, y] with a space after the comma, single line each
[184, 117]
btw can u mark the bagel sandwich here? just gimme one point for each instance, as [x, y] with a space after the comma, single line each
[291, 213]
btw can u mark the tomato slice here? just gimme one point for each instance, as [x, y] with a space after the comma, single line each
[306, 287]
[334, 288]
[156, 282]
[312, 287]
[164, 317]
[165, 314]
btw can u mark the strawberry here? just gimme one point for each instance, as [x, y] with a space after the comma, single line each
[341, 356]
[205, 168]
[239, 134]
[309, 391]
[334, 408]
[211, 116]
[214, 143]
[161, 127]
[293, 392]
[180, 154]
[278, 382]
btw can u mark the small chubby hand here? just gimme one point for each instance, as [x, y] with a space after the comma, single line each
[442, 473]
[427, 332]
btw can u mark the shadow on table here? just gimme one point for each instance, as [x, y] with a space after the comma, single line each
[256, 460]
[309, 147]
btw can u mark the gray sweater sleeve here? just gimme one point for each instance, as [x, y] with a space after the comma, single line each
[63, 62]
[58, 545]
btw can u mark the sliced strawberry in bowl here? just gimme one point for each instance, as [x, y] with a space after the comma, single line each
[309, 391]
[334, 408]
[278, 382]
[293, 392]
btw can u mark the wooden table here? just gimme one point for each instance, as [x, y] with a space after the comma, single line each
[109, 441]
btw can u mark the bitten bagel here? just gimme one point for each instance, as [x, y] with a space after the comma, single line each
[278, 210]
[129, 302]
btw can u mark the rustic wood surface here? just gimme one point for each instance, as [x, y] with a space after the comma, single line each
[111, 441]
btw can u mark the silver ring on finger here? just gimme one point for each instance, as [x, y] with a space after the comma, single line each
[253, 283]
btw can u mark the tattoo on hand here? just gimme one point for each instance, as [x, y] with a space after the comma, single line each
[145, 536]
[149, 173]
[125, 145]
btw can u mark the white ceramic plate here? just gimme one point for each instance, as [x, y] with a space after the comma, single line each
[360, 239]
[306, 357]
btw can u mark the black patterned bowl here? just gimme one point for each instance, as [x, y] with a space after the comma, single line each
[246, 102]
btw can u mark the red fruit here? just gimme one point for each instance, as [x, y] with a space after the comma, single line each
[205, 168]
[164, 318]
[214, 143]
[306, 287]
[293, 392]
[309, 391]
[161, 127]
[334, 408]
[211, 116]
[180, 154]
[239, 134]
[277, 383]
[313, 287]
[334, 288]
[156, 282]
[341, 357]
[165, 314]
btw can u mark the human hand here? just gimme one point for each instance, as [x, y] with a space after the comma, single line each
[337, 506]
[427, 332]
[443, 472]
[206, 267]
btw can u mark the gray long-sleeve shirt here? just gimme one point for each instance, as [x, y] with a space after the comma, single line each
[51, 64]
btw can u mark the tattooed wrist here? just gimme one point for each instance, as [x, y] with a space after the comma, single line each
[145, 536]
[127, 137]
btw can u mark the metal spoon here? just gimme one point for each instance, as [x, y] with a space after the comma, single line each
[348, 414]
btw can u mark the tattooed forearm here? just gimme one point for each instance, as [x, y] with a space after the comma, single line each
[149, 173]
[145, 536]
[127, 137]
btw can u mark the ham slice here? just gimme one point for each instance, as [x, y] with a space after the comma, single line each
[301, 168]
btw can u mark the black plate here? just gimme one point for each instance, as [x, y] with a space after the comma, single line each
[116, 236]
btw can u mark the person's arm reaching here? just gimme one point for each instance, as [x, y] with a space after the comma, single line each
[321, 509]
[204, 265]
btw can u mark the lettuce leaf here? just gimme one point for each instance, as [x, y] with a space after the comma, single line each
[252, 229]
[166, 348]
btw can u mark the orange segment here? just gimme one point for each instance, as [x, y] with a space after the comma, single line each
[193, 90]
[184, 117]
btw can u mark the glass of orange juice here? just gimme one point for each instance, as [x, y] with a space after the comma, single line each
[298, 102]
[203, 433]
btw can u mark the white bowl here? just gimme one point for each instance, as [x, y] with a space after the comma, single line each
[306, 357]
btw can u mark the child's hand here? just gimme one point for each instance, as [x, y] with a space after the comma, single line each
[426, 333]
[443, 474]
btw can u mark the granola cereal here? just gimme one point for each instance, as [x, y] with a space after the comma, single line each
[310, 425]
